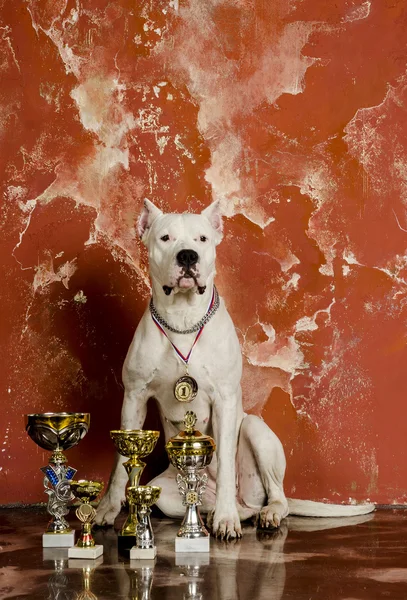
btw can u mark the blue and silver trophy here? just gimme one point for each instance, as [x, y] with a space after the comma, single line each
[58, 432]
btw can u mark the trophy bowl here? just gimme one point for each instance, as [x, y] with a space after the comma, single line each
[134, 442]
[86, 491]
[144, 495]
[54, 431]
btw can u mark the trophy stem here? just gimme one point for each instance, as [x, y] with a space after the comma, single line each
[57, 479]
[145, 536]
[86, 540]
[57, 457]
[134, 468]
[192, 485]
[130, 525]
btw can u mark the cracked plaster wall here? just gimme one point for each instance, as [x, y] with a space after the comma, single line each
[293, 115]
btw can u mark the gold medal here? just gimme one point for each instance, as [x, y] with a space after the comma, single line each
[186, 389]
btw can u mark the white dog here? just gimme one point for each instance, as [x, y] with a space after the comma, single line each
[247, 472]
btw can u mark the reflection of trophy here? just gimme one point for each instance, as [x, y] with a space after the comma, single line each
[87, 566]
[86, 492]
[141, 579]
[191, 569]
[190, 451]
[133, 444]
[57, 432]
[143, 496]
[59, 585]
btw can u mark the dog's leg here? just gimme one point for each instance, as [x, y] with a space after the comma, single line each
[170, 501]
[225, 519]
[133, 416]
[261, 469]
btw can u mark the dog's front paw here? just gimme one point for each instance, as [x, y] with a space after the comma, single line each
[225, 526]
[108, 508]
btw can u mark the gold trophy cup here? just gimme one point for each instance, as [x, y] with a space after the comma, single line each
[86, 492]
[144, 496]
[57, 432]
[134, 444]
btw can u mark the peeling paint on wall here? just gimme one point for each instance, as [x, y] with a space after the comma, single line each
[293, 116]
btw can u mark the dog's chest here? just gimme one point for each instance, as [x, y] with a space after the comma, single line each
[162, 386]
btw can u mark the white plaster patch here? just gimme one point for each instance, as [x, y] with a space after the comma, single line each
[288, 262]
[280, 69]
[292, 282]
[71, 61]
[94, 98]
[179, 144]
[80, 297]
[309, 323]
[279, 354]
[392, 575]
[6, 31]
[350, 258]
[45, 274]
[357, 13]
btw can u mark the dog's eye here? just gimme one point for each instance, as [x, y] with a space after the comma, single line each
[203, 238]
[165, 238]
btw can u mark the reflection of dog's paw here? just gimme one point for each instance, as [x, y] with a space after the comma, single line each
[225, 526]
[108, 509]
[270, 516]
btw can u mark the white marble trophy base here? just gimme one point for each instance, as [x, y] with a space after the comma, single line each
[192, 545]
[143, 553]
[85, 563]
[58, 540]
[89, 553]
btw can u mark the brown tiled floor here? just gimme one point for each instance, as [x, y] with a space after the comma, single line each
[363, 558]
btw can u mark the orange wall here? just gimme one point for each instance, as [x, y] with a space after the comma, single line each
[293, 114]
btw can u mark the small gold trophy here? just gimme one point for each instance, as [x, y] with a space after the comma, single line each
[190, 451]
[144, 497]
[86, 492]
[133, 444]
[58, 432]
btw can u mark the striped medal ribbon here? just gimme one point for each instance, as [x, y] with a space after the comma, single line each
[186, 387]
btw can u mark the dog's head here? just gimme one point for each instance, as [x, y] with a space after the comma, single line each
[181, 247]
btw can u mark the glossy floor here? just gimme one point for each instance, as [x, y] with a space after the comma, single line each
[363, 558]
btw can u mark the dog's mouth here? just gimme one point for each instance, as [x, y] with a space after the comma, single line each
[186, 281]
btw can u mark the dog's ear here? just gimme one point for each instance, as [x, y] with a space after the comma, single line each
[148, 215]
[214, 216]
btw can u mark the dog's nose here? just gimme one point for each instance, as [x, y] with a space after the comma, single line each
[187, 258]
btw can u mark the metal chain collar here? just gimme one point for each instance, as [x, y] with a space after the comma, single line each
[197, 326]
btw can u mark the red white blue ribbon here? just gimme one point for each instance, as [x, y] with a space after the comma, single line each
[185, 359]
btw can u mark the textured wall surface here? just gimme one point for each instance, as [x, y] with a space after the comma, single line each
[293, 114]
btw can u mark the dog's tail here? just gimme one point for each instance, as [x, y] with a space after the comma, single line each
[308, 508]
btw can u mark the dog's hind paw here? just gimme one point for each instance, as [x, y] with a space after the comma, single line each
[270, 516]
[108, 509]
